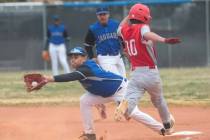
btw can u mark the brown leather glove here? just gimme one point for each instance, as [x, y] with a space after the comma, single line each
[34, 81]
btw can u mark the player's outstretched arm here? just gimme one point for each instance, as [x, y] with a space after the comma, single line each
[49, 78]
[35, 81]
[157, 38]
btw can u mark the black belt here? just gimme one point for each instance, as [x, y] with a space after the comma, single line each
[109, 54]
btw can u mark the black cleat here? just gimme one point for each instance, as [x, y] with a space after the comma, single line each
[169, 126]
[87, 137]
[163, 132]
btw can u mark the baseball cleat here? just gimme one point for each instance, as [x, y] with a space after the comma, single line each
[162, 132]
[87, 137]
[127, 118]
[169, 126]
[120, 110]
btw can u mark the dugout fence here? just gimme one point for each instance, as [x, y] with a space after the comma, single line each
[23, 29]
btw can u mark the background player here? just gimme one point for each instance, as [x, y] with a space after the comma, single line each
[139, 45]
[103, 35]
[56, 38]
[101, 87]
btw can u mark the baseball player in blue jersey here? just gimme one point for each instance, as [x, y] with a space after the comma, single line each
[103, 35]
[101, 87]
[56, 38]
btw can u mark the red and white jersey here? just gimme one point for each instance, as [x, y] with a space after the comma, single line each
[139, 53]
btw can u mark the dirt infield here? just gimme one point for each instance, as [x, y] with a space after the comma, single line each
[64, 123]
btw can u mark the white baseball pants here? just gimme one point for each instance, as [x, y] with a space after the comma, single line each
[88, 100]
[113, 64]
[58, 52]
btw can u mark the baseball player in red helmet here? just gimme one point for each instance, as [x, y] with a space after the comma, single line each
[139, 43]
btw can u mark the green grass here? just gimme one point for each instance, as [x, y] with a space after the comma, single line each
[184, 86]
[13, 91]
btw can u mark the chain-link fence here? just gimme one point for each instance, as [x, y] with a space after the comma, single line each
[23, 29]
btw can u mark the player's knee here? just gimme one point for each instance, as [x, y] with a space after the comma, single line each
[157, 101]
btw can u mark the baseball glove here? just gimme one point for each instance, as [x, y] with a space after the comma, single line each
[34, 81]
[45, 56]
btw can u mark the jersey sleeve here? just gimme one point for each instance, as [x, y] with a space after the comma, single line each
[144, 29]
[89, 39]
[85, 70]
[81, 73]
[89, 43]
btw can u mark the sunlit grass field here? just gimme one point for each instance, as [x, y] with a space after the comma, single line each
[184, 86]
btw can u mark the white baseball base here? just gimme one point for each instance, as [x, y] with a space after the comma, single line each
[185, 133]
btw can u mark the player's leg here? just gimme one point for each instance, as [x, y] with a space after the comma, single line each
[86, 102]
[54, 58]
[101, 110]
[159, 102]
[108, 63]
[147, 120]
[134, 92]
[63, 58]
[155, 90]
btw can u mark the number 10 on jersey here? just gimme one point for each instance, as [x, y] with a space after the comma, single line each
[131, 47]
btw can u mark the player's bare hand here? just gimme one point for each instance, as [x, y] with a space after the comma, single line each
[48, 78]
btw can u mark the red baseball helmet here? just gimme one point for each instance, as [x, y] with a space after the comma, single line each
[140, 12]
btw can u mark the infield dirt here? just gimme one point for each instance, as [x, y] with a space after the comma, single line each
[64, 123]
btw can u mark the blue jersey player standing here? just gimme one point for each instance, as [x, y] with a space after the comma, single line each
[103, 36]
[101, 87]
[56, 37]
